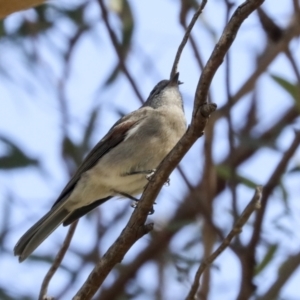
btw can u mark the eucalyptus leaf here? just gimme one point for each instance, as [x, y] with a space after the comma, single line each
[267, 258]
[292, 89]
[15, 156]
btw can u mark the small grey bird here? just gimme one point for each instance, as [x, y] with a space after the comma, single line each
[118, 164]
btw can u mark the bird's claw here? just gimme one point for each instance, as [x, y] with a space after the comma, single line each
[134, 204]
[150, 175]
[151, 212]
[168, 182]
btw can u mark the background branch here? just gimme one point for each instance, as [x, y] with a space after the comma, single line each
[186, 37]
[237, 228]
[58, 54]
[117, 48]
[57, 261]
[198, 123]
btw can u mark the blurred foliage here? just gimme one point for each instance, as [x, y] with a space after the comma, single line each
[292, 89]
[268, 258]
[15, 156]
[186, 230]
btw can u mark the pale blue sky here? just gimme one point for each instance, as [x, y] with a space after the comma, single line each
[30, 116]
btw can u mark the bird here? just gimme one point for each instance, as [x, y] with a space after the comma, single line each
[119, 165]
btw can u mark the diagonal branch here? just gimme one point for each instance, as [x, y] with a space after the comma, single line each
[269, 187]
[286, 271]
[185, 214]
[248, 257]
[57, 261]
[135, 227]
[269, 54]
[117, 48]
[237, 228]
[186, 37]
[220, 50]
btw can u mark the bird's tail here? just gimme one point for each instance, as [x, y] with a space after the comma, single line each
[36, 234]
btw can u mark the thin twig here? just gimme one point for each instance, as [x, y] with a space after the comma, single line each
[220, 50]
[195, 49]
[184, 215]
[269, 187]
[186, 37]
[250, 208]
[268, 56]
[185, 8]
[232, 181]
[248, 258]
[286, 270]
[116, 46]
[275, 33]
[296, 6]
[184, 177]
[57, 261]
[294, 65]
[207, 190]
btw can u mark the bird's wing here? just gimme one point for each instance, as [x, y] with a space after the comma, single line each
[115, 136]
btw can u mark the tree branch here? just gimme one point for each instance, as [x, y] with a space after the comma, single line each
[201, 113]
[57, 261]
[116, 46]
[186, 37]
[269, 54]
[237, 228]
[285, 272]
[269, 187]
[247, 256]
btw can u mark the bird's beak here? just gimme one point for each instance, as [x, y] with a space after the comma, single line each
[174, 80]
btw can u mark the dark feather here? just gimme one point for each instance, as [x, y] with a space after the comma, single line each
[78, 213]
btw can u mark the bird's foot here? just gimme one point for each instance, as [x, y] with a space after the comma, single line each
[149, 175]
[134, 204]
[168, 182]
[152, 172]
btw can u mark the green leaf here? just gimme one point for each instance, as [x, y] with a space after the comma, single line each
[292, 89]
[126, 17]
[224, 172]
[15, 157]
[75, 14]
[267, 259]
